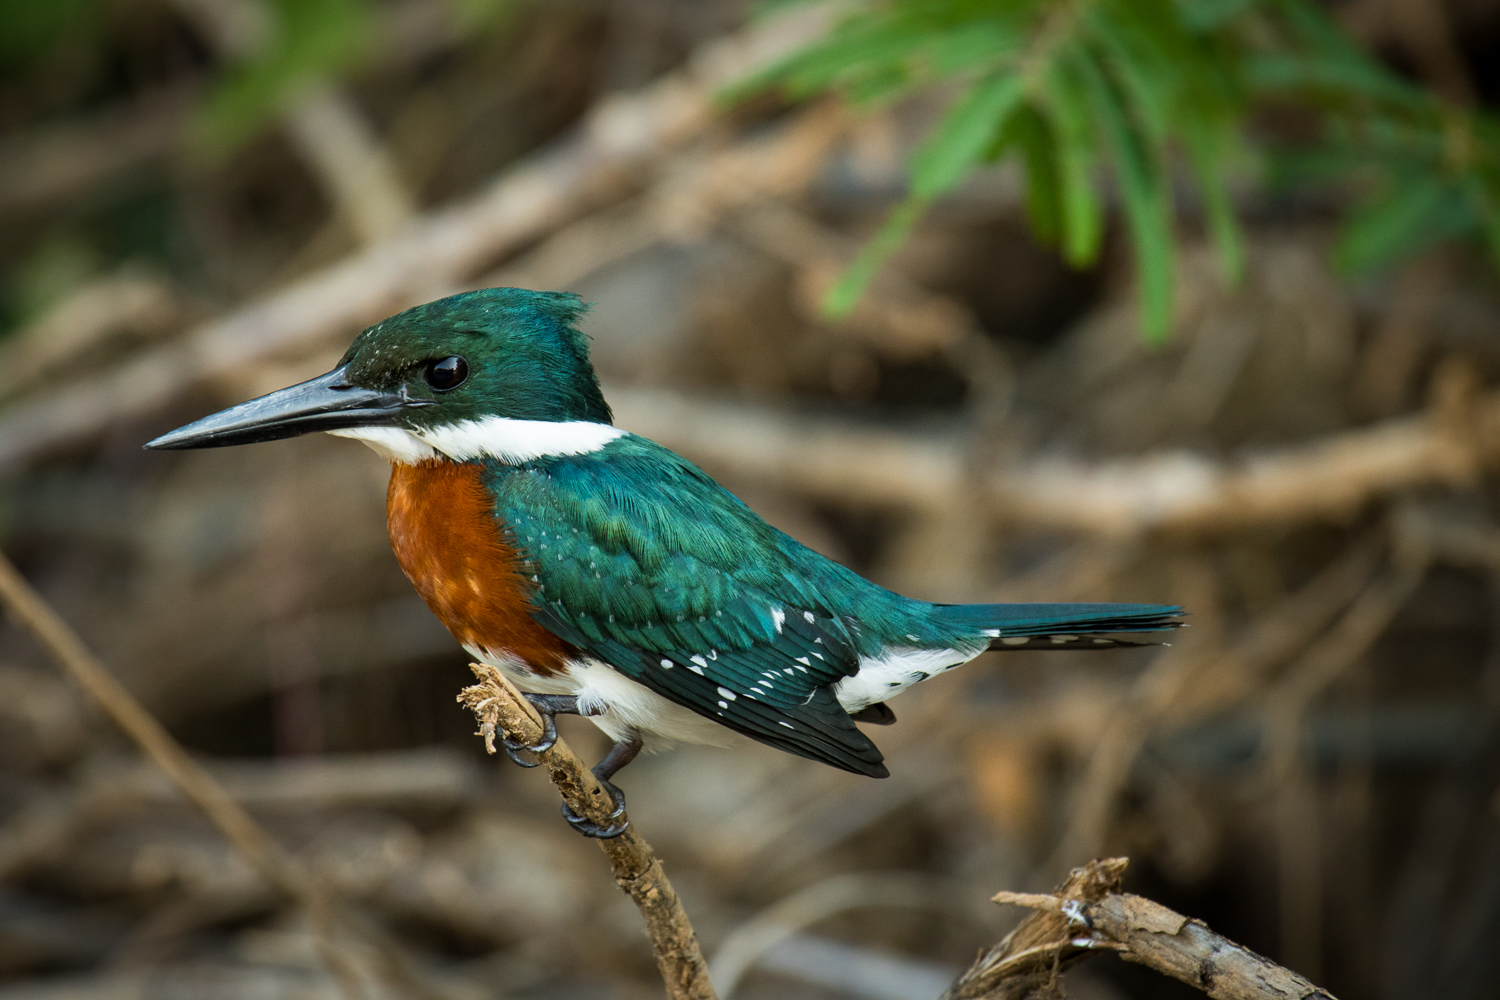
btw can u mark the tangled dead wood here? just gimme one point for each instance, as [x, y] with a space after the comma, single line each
[1087, 914]
[352, 949]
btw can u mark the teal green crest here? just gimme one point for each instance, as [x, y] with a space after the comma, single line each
[526, 358]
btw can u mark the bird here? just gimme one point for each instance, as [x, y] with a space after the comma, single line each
[609, 577]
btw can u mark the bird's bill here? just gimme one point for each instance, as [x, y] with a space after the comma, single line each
[326, 403]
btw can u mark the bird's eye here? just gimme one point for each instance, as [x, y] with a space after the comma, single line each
[448, 373]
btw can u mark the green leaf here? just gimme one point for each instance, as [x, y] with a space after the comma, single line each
[1029, 134]
[969, 128]
[1414, 214]
[31, 29]
[842, 298]
[1144, 188]
[1205, 143]
[959, 143]
[1082, 212]
[314, 39]
[1487, 211]
[1206, 15]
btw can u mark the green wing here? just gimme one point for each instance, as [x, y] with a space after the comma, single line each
[647, 564]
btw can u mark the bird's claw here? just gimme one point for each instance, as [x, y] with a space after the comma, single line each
[514, 748]
[600, 831]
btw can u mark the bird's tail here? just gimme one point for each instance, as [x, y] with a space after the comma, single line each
[1063, 626]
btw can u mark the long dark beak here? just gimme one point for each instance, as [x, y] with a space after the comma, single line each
[326, 403]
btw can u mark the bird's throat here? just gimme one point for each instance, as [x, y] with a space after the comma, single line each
[455, 552]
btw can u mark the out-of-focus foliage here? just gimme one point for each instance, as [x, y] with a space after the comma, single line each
[1081, 90]
[267, 49]
[294, 43]
[29, 28]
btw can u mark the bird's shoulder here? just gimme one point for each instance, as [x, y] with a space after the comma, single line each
[656, 517]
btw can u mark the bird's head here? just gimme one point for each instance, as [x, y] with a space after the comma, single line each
[488, 372]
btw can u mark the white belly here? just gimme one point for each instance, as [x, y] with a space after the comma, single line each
[622, 706]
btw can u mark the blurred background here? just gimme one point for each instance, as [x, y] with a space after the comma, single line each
[204, 200]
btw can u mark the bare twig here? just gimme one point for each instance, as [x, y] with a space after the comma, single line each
[1197, 682]
[249, 838]
[1296, 807]
[353, 164]
[743, 947]
[130, 300]
[502, 711]
[1086, 914]
[50, 163]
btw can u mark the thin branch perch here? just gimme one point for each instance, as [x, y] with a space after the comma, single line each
[1086, 914]
[502, 711]
[278, 867]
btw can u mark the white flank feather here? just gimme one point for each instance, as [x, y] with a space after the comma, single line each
[895, 670]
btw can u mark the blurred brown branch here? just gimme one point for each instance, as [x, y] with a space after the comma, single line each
[1087, 913]
[1169, 491]
[278, 867]
[502, 711]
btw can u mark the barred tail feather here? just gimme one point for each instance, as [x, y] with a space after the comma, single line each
[1063, 626]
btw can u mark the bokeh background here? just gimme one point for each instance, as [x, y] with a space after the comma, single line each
[204, 200]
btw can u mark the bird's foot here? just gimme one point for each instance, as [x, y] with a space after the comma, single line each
[601, 831]
[548, 706]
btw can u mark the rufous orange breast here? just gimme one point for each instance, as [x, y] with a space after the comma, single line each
[453, 549]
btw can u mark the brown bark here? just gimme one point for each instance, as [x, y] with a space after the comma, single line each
[1085, 914]
[502, 711]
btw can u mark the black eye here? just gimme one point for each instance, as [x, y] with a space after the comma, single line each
[449, 373]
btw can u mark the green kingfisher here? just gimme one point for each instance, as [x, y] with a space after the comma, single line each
[612, 578]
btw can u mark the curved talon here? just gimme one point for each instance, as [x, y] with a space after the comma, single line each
[616, 796]
[549, 733]
[598, 831]
[513, 749]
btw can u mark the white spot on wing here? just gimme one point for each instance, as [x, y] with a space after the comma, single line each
[778, 616]
[1014, 640]
[724, 692]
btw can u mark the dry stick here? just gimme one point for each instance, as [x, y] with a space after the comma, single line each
[1296, 812]
[502, 711]
[1163, 692]
[248, 837]
[1087, 914]
[847, 462]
